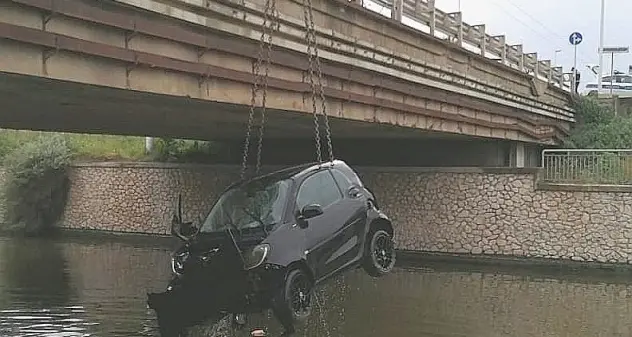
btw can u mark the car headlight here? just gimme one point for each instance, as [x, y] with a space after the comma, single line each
[256, 256]
[177, 262]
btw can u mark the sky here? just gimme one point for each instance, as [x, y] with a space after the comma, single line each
[544, 26]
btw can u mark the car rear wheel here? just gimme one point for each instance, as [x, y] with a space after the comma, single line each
[380, 256]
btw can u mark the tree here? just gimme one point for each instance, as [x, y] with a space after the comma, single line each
[598, 128]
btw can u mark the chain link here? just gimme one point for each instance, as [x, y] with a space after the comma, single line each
[268, 56]
[307, 5]
[312, 53]
[270, 7]
[316, 88]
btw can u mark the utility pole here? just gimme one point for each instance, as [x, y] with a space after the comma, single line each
[601, 33]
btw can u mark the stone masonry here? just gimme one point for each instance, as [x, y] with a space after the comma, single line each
[476, 211]
[141, 197]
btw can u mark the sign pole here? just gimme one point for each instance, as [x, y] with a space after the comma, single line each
[611, 72]
[574, 81]
[575, 39]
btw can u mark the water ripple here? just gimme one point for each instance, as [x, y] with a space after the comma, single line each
[75, 289]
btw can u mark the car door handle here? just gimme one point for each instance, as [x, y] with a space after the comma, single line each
[354, 192]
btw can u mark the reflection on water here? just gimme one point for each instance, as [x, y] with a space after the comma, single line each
[75, 288]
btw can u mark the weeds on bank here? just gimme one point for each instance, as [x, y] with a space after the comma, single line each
[36, 164]
[35, 184]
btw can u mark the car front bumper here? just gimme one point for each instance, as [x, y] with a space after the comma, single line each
[244, 292]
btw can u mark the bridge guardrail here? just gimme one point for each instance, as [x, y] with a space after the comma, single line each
[587, 166]
[452, 27]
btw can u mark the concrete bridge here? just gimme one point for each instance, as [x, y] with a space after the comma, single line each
[182, 68]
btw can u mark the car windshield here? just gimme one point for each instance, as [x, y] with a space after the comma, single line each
[254, 204]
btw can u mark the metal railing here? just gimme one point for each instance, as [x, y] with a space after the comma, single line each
[450, 26]
[584, 166]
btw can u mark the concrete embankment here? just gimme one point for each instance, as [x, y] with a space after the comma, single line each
[473, 212]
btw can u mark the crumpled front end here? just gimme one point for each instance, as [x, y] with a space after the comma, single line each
[210, 284]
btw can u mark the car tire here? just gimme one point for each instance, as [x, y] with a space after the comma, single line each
[297, 295]
[379, 258]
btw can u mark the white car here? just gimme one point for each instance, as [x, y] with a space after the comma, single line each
[621, 85]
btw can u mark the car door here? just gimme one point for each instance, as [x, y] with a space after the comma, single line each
[329, 237]
[320, 188]
[351, 215]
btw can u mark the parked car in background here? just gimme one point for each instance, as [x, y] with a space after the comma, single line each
[621, 85]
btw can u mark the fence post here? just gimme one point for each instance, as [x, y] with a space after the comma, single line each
[518, 48]
[503, 48]
[481, 30]
[433, 17]
[397, 10]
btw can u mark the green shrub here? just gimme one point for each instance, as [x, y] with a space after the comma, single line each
[36, 184]
[180, 150]
[598, 128]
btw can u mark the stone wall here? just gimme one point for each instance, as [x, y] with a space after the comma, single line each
[477, 211]
[141, 197]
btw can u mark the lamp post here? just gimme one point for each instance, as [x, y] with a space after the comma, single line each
[555, 57]
[601, 33]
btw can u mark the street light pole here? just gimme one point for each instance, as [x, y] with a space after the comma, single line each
[601, 33]
[555, 57]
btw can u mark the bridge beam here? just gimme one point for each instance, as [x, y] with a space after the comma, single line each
[432, 88]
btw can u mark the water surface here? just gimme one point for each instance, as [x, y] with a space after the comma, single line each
[82, 288]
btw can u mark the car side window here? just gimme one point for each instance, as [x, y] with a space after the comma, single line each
[343, 182]
[320, 188]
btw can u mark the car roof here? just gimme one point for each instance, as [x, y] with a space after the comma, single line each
[295, 172]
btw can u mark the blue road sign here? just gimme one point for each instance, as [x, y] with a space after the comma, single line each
[575, 38]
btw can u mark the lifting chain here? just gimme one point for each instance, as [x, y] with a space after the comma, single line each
[314, 60]
[267, 28]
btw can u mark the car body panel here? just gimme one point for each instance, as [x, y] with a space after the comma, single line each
[292, 237]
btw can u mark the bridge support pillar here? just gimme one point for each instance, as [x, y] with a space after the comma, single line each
[517, 154]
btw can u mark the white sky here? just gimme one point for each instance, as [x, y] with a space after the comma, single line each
[543, 26]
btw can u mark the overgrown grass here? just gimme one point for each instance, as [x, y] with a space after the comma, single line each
[83, 146]
[93, 147]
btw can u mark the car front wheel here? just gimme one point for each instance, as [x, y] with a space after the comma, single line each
[293, 303]
[298, 294]
[380, 254]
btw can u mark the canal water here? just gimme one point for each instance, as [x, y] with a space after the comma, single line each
[83, 288]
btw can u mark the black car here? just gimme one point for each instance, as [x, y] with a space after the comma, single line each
[268, 241]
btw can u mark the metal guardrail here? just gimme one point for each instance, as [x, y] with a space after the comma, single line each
[452, 27]
[587, 166]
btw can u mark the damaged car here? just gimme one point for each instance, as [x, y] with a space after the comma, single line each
[267, 242]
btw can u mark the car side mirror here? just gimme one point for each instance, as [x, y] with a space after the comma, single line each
[311, 211]
[308, 212]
